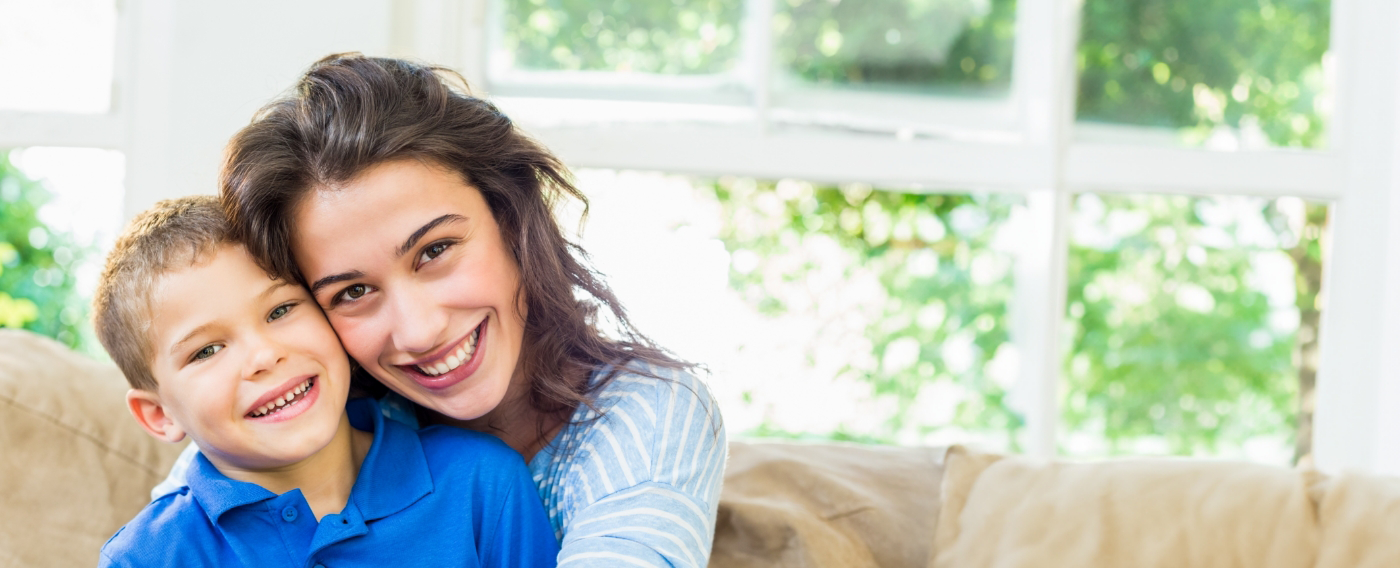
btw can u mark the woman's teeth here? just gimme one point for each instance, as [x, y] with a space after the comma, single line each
[286, 398]
[454, 359]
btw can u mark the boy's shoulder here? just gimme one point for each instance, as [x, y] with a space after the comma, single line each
[452, 447]
[473, 470]
[173, 518]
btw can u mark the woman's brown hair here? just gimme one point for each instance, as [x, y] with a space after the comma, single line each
[350, 112]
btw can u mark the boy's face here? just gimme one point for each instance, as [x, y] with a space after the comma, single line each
[230, 345]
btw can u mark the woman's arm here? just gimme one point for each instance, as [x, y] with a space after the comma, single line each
[646, 476]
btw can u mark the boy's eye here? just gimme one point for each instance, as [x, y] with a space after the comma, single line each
[207, 352]
[279, 311]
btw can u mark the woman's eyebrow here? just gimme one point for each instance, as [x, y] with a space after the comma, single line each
[403, 249]
[332, 279]
[417, 235]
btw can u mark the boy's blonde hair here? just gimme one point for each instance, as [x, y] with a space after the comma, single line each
[173, 234]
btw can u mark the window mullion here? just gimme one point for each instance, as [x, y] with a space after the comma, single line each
[1043, 86]
[1357, 387]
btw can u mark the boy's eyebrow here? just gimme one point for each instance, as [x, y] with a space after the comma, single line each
[403, 249]
[273, 287]
[175, 347]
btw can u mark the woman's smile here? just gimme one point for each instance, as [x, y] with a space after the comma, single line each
[442, 371]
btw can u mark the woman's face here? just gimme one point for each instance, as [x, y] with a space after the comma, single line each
[410, 268]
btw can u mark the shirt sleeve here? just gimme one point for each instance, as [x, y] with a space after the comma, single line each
[649, 476]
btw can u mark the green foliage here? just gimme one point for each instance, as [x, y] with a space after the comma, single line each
[36, 264]
[934, 280]
[919, 45]
[680, 37]
[1171, 339]
[1146, 361]
[1200, 64]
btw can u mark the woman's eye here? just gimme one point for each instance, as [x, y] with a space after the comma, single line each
[279, 311]
[351, 292]
[433, 251]
[207, 352]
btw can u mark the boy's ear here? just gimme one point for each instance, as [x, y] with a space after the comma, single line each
[150, 414]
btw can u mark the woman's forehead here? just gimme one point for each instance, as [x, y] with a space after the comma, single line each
[374, 214]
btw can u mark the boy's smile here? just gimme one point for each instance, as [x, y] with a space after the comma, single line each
[284, 404]
[247, 366]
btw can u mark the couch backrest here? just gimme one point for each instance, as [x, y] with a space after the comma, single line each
[839, 505]
[76, 466]
[1014, 512]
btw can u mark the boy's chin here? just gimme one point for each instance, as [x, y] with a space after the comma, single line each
[272, 456]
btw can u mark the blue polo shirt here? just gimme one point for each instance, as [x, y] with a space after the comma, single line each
[439, 496]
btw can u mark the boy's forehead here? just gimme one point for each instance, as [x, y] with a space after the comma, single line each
[221, 289]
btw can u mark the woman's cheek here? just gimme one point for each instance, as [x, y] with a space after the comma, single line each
[356, 335]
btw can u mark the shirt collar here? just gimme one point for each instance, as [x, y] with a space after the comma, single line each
[393, 476]
[395, 473]
[218, 493]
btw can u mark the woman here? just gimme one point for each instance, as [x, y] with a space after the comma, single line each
[420, 218]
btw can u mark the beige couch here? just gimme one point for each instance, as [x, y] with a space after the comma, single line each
[75, 467]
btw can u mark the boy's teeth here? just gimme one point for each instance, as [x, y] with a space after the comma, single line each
[285, 399]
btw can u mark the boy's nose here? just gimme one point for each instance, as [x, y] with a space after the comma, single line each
[265, 354]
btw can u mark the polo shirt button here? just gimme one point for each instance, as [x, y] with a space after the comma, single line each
[289, 514]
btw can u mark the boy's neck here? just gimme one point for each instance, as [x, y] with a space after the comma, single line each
[325, 478]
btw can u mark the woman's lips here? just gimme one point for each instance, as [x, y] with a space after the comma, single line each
[458, 374]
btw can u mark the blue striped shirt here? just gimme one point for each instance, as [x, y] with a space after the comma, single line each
[636, 482]
[633, 481]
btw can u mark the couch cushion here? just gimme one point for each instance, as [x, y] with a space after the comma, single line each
[1360, 518]
[812, 505]
[76, 466]
[1012, 512]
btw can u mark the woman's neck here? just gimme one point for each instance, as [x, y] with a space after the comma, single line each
[515, 421]
[325, 478]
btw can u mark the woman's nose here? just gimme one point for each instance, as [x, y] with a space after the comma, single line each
[417, 322]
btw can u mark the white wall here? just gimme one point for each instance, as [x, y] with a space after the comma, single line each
[201, 69]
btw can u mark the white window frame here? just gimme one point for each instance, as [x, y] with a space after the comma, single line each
[1039, 155]
[1357, 414]
[107, 130]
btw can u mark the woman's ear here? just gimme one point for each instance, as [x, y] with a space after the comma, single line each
[145, 406]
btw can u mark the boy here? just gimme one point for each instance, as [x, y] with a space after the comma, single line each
[289, 475]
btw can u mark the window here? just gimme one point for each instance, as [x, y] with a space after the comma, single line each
[62, 129]
[1149, 176]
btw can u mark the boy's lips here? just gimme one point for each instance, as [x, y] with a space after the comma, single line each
[284, 390]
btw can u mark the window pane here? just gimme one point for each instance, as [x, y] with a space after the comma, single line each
[1226, 74]
[1194, 326]
[674, 37]
[62, 209]
[830, 312]
[951, 46]
[60, 51]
